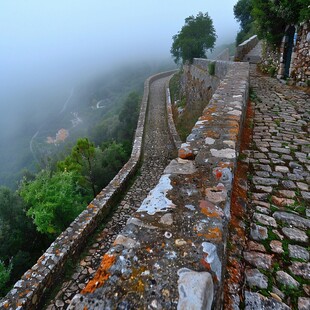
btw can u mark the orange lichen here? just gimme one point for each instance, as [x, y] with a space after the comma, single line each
[226, 164]
[101, 275]
[91, 206]
[6, 305]
[212, 134]
[208, 209]
[213, 233]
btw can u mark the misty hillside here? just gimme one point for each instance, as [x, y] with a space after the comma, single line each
[55, 119]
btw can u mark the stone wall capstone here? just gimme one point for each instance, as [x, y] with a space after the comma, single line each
[27, 293]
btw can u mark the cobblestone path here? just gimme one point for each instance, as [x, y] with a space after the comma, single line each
[158, 150]
[276, 256]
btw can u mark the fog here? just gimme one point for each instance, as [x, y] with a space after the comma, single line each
[48, 47]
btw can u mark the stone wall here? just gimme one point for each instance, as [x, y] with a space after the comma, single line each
[28, 292]
[300, 64]
[245, 47]
[171, 254]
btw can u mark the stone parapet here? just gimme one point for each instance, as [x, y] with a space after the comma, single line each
[172, 252]
[245, 47]
[172, 129]
[27, 293]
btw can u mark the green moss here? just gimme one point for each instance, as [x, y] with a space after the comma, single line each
[211, 68]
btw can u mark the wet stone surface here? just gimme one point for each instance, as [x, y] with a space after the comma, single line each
[278, 179]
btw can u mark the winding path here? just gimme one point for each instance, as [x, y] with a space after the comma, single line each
[158, 150]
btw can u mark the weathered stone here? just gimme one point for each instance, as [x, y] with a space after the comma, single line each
[282, 202]
[305, 195]
[212, 258]
[185, 152]
[265, 219]
[276, 246]
[280, 150]
[166, 219]
[295, 234]
[195, 290]
[301, 269]
[259, 260]
[285, 279]
[180, 166]
[302, 186]
[282, 169]
[297, 251]
[265, 181]
[255, 278]
[289, 184]
[287, 193]
[292, 219]
[258, 232]
[126, 242]
[254, 246]
[303, 303]
[256, 301]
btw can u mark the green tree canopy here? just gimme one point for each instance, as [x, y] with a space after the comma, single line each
[54, 200]
[195, 38]
[269, 18]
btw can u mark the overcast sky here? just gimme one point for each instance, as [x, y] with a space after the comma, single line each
[43, 39]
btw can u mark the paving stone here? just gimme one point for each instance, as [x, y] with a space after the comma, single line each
[303, 303]
[289, 184]
[254, 246]
[276, 246]
[295, 234]
[263, 210]
[297, 251]
[258, 232]
[285, 279]
[305, 195]
[292, 219]
[280, 150]
[255, 278]
[302, 186]
[256, 301]
[265, 219]
[282, 169]
[287, 193]
[259, 260]
[282, 202]
[300, 269]
[265, 181]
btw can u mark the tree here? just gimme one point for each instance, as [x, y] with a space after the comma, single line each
[243, 14]
[4, 277]
[81, 161]
[272, 17]
[54, 200]
[195, 38]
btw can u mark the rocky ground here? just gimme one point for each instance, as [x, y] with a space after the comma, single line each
[276, 248]
[158, 151]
